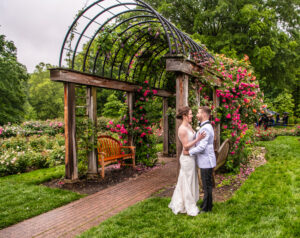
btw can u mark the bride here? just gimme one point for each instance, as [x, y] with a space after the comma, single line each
[186, 193]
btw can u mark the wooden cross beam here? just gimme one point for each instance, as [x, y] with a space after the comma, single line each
[185, 66]
[76, 77]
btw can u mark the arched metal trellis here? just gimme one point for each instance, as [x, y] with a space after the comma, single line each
[119, 39]
[118, 44]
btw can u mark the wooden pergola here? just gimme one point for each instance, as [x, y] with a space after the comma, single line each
[89, 64]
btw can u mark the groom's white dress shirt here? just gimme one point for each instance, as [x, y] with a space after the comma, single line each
[204, 149]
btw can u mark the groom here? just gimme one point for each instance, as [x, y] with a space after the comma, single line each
[206, 159]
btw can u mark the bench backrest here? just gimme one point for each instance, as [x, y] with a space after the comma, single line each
[222, 154]
[109, 145]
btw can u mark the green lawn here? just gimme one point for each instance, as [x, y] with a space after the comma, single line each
[267, 205]
[160, 147]
[21, 196]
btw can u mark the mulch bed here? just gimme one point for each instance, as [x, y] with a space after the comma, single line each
[113, 175]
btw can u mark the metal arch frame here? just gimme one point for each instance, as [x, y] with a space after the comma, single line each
[115, 40]
[177, 41]
[141, 66]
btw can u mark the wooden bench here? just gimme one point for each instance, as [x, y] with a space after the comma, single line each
[110, 151]
[221, 154]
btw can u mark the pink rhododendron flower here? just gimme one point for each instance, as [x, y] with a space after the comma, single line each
[143, 134]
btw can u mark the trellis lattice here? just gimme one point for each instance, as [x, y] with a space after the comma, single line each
[126, 40]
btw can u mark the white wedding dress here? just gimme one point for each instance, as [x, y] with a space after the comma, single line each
[186, 193]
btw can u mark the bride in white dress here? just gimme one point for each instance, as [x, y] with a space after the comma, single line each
[186, 193]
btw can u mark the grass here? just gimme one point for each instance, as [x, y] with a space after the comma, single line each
[267, 205]
[160, 147]
[21, 196]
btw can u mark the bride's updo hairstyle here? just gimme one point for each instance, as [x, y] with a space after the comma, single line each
[183, 111]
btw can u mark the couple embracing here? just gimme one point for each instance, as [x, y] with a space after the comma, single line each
[198, 151]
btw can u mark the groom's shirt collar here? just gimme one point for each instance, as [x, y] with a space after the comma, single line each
[201, 124]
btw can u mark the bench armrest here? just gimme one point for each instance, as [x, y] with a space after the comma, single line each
[102, 153]
[129, 147]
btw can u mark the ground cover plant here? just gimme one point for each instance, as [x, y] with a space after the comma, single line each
[267, 205]
[22, 197]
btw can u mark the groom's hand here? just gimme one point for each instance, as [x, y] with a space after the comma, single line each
[201, 135]
[185, 152]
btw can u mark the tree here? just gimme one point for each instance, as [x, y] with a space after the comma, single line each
[45, 96]
[284, 102]
[267, 31]
[114, 107]
[13, 79]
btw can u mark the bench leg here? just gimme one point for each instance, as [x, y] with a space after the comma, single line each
[102, 170]
[133, 161]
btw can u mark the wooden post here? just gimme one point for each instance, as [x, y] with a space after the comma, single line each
[91, 101]
[217, 128]
[70, 130]
[165, 127]
[182, 83]
[129, 100]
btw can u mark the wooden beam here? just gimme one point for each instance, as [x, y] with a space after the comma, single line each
[182, 84]
[91, 96]
[190, 68]
[165, 127]
[71, 76]
[70, 130]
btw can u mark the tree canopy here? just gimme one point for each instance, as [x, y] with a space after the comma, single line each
[13, 79]
[267, 31]
[45, 96]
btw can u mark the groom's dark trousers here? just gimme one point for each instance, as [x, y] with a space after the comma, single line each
[207, 183]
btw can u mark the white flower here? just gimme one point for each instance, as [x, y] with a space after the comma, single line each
[197, 128]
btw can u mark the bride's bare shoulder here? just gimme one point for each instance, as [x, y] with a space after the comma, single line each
[182, 130]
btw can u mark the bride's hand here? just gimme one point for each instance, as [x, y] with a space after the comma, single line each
[201, 135]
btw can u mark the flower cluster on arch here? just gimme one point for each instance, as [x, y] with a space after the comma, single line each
[141, 125]
[240, 98]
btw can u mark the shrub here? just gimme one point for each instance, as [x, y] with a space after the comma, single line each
[19, 154]
[29, 128]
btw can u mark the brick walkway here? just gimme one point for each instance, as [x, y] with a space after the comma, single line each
[78, 216]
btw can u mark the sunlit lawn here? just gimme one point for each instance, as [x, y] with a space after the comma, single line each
[267, 205]
[22, 197]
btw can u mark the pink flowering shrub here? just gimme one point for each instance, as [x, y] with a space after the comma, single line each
[28, 128]
[240, 100]
[141, 126]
